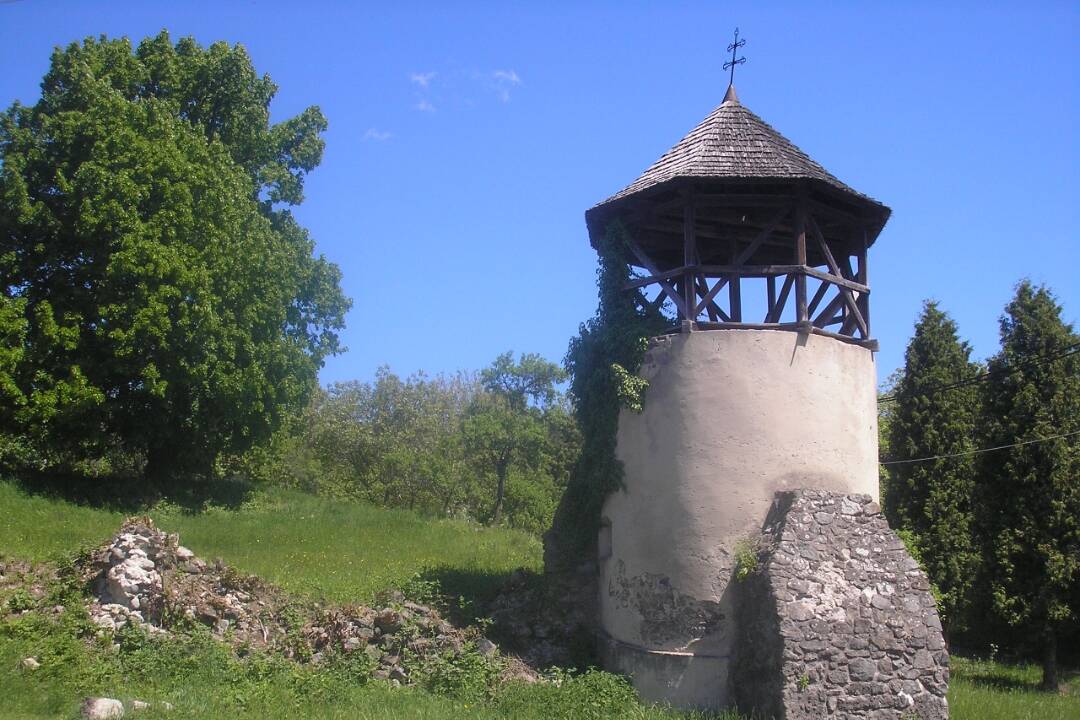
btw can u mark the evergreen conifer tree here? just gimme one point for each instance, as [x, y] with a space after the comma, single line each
[933, 417]
[1029, 509]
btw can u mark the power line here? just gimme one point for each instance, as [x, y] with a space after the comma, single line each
[1069, 350]
[978, 452]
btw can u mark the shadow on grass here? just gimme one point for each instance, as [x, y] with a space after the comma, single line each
[475, 588]
[132, 494]
[471, 595]
[1000, 681]
[995, 679]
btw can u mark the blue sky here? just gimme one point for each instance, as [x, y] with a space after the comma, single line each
[467, 139]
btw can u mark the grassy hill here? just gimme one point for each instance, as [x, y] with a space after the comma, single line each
[341, 552]
[344, 552]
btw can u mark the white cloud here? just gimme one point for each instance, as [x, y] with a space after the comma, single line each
[504, 80]
[424, 105]
[373, 134]
[423, 79]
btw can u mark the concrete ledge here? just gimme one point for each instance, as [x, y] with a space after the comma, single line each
[684, 679]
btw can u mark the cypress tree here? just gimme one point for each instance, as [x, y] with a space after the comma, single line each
[1029, 510]
[933, 417]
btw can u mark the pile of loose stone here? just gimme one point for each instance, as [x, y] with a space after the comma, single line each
[145, 577]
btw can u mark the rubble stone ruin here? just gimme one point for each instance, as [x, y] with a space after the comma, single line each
[745, 561]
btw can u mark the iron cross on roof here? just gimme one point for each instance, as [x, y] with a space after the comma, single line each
[734, 48]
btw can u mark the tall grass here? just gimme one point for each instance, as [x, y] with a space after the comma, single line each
[340, 551]
[347, 551]
[37, 528]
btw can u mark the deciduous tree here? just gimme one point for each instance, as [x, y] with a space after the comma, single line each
[155, 291]
[502, 430]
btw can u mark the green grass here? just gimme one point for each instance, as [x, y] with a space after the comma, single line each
[342, 552]
[984, 690]
[203, 680]
[346, 552]
[38, 528]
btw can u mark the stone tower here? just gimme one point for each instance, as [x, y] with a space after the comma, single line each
[765, 393]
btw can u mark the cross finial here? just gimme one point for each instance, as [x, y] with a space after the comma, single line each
[733, 48]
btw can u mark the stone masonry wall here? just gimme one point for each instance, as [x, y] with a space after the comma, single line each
[837, 621]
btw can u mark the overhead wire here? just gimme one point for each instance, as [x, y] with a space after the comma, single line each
[983, 377]
[978, 452]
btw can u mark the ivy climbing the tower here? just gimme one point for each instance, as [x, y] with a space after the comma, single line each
[603, 361]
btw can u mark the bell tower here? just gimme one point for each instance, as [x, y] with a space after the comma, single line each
[767, 385]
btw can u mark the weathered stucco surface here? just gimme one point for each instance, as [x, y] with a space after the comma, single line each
[731, 417]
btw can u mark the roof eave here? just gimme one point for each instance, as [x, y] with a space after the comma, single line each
[876, 213]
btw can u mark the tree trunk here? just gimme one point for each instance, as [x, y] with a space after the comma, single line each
[1050, 680]
[500, 489]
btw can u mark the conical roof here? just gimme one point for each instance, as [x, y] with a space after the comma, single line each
[733, 143]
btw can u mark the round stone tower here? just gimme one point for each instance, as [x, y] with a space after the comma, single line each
[769, 385]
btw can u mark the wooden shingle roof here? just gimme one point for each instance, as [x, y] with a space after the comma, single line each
[733, 143]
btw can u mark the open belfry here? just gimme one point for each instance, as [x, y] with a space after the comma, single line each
[745, 561]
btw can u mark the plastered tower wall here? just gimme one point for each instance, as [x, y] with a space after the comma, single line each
[730, 418]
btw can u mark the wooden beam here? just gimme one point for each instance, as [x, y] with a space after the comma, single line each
[800, 254]
[778, 308]
[736, 200]
[867, 343]
[864, 278]
[749, 270]
[822, 289]
[715, 312]
[648, 265]
[702, 288]
[826, 210]
[735, 289]
[689, 257]
[771, 283]
[642, 282]
[825, 250]
[829, 312]
[853, 308]
[747, 326]
[836, 280]
[854, 314]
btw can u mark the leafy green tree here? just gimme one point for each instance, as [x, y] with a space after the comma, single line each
[503, 432]
[156, 294]
[12, 340]
[395, 442]
[1029, 509]
[431, 444]
[935, 415]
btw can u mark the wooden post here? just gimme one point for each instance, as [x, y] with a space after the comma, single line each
[772, 292]
[735, 288]
[802, 315]
[689, 256]
[864, 278]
